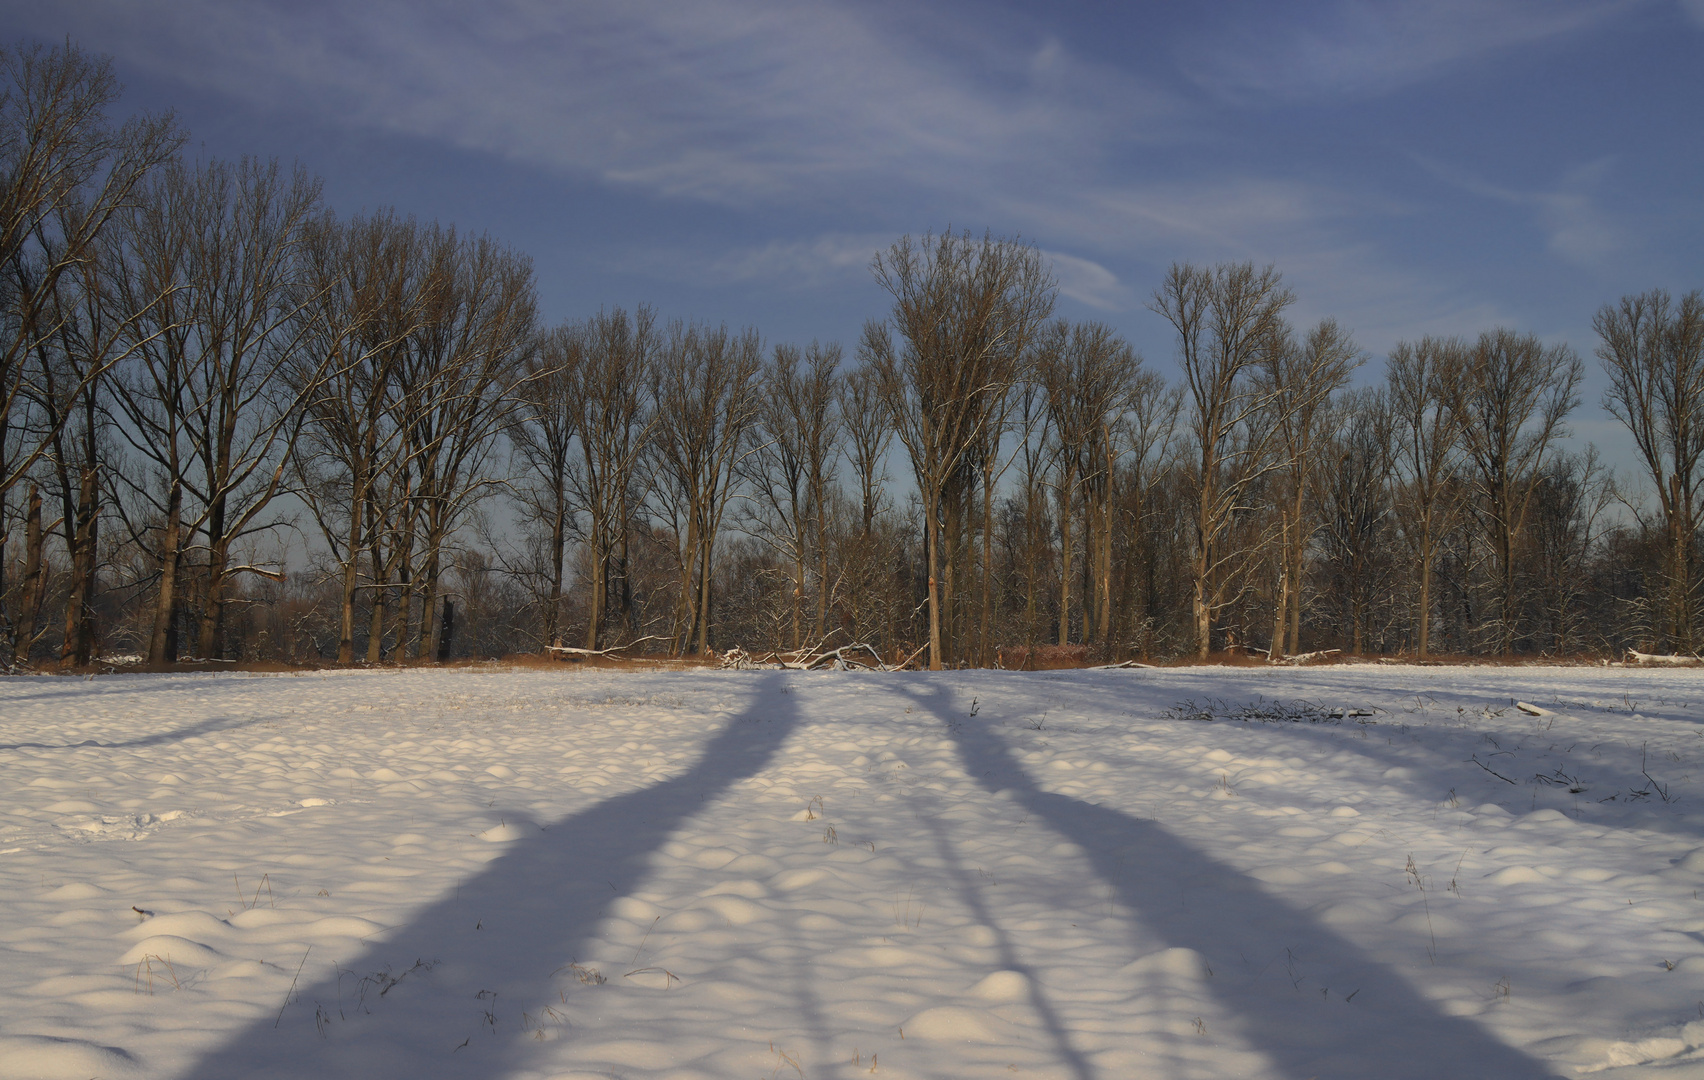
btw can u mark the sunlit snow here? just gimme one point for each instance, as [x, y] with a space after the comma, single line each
[1158, 873]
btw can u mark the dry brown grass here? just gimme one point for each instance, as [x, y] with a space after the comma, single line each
[1011, 658]
[1042, 657]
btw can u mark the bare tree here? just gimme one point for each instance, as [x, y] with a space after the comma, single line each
[1034, 453]
[1653, 351]
[1562, 531]
[1424, 434]
[1228, 320]
[1300, 380]
[615, 424]
[795, 442]
[1355, 510]
[543, 437]
[66, 395]
[1511, 399]
[966, 311]
[204, 402]
[474, 336]
[65, 173]
[1087, 371]
[869, 428]
[1148, 459]
[870, 598]
[706, 400]
[992, 464]
[362, 279]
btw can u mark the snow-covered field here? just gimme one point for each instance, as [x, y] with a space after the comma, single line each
[497, 873]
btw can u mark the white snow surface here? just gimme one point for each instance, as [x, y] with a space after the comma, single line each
[549, 874]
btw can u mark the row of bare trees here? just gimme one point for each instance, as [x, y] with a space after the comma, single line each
[233, 424]
[191, 345]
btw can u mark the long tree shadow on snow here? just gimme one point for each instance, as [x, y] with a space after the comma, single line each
[499, 946]
[1442, 764]
[1278, 972]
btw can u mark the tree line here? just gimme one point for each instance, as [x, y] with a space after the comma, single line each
[203, 368]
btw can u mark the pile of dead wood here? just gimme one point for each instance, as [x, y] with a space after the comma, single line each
[855, 657]
[1634, 656]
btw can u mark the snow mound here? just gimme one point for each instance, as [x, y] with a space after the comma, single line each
[1002, 986]
[179, 952]
[44, 1057]
[954, 1023]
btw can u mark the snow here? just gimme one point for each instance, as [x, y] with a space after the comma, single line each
[577, 873]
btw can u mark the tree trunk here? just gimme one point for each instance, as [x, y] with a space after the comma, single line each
[162, 645]
[595, 602]
[1680, 569]
[932, 530]
[625, 595]
[558, 547]
[432, 573]
[402, 607]
[208, 638]
[949, 578]
[351, 578]
[1203, 609]
[1065, 554]
[446, 631]
[822, 571]
[1280, 621]
[376, 622]
[29, 606]
[985, 633]
[1105, 612]
[1032, 536]
[686, 609]
[798, 586]
[704, 605]
[1298, 553]
[1425, 588]
[1506, 553]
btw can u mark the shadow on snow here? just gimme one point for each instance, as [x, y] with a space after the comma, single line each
[501, 943]
[1279, 974]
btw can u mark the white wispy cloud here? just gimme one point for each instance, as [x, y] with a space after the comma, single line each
[726, 100]
[848, 115]
[803, 263]
[1090, 283]
[1576, 227]
[1357, 47]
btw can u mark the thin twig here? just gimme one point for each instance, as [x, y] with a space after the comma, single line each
[292, 989]
[1490, 770]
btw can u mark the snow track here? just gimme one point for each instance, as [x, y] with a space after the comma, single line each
[1080, 875]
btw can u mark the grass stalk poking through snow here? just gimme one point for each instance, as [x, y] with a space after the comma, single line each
[907, 915]
[1455, 885]
[784, 1059]
[292, 989]
[248, 904]
[1414, 874]
[147, 962]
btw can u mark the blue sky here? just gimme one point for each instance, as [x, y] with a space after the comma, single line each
[1434, 166]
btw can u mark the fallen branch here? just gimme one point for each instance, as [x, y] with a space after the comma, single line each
[1490, 770]
[903, 664]
[1124, 664]
[1303, 658]
[858, 655]
[1634, 656]
[568, 650]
